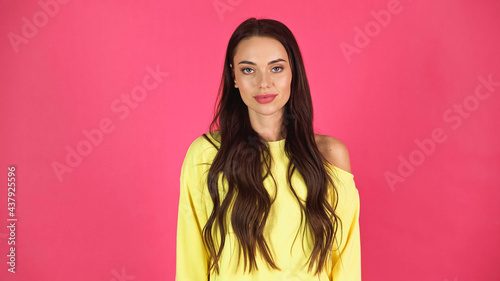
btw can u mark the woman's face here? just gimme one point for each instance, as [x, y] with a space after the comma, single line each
[261, 67]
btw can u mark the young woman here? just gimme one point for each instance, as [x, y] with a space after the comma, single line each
[261, 176]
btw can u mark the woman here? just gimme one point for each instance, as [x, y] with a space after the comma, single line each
[251, 186]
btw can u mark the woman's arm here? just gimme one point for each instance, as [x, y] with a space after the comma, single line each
[347, 258]
[192, 258]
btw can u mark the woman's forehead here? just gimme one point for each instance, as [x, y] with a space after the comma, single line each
[260, 50]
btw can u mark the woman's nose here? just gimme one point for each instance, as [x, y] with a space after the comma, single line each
[265, 80]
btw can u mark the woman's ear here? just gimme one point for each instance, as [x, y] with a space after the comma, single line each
[232, 74]
[232, 70]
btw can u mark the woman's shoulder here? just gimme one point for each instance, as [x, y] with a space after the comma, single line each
[208, 140]
[334, 150]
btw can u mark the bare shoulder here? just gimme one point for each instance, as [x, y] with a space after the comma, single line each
[335, 151]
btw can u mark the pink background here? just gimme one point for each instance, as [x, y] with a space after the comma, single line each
[428, 212]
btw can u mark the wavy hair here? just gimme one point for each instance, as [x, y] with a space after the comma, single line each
[236, 159]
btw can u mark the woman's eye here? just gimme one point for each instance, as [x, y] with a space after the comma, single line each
[246, 72]
[278, 67]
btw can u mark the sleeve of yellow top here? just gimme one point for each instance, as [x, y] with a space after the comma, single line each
[347, 259]
[192, 258]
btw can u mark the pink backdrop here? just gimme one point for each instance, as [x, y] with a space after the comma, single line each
[101, 99]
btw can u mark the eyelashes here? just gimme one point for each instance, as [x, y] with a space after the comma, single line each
[246, 68]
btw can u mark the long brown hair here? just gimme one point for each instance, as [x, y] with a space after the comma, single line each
[238, 147]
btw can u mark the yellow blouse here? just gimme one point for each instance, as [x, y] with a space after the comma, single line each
[195, 206]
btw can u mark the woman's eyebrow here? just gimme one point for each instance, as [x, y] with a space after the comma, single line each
[253, 63]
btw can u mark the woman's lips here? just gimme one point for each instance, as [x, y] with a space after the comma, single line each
[267, 98]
